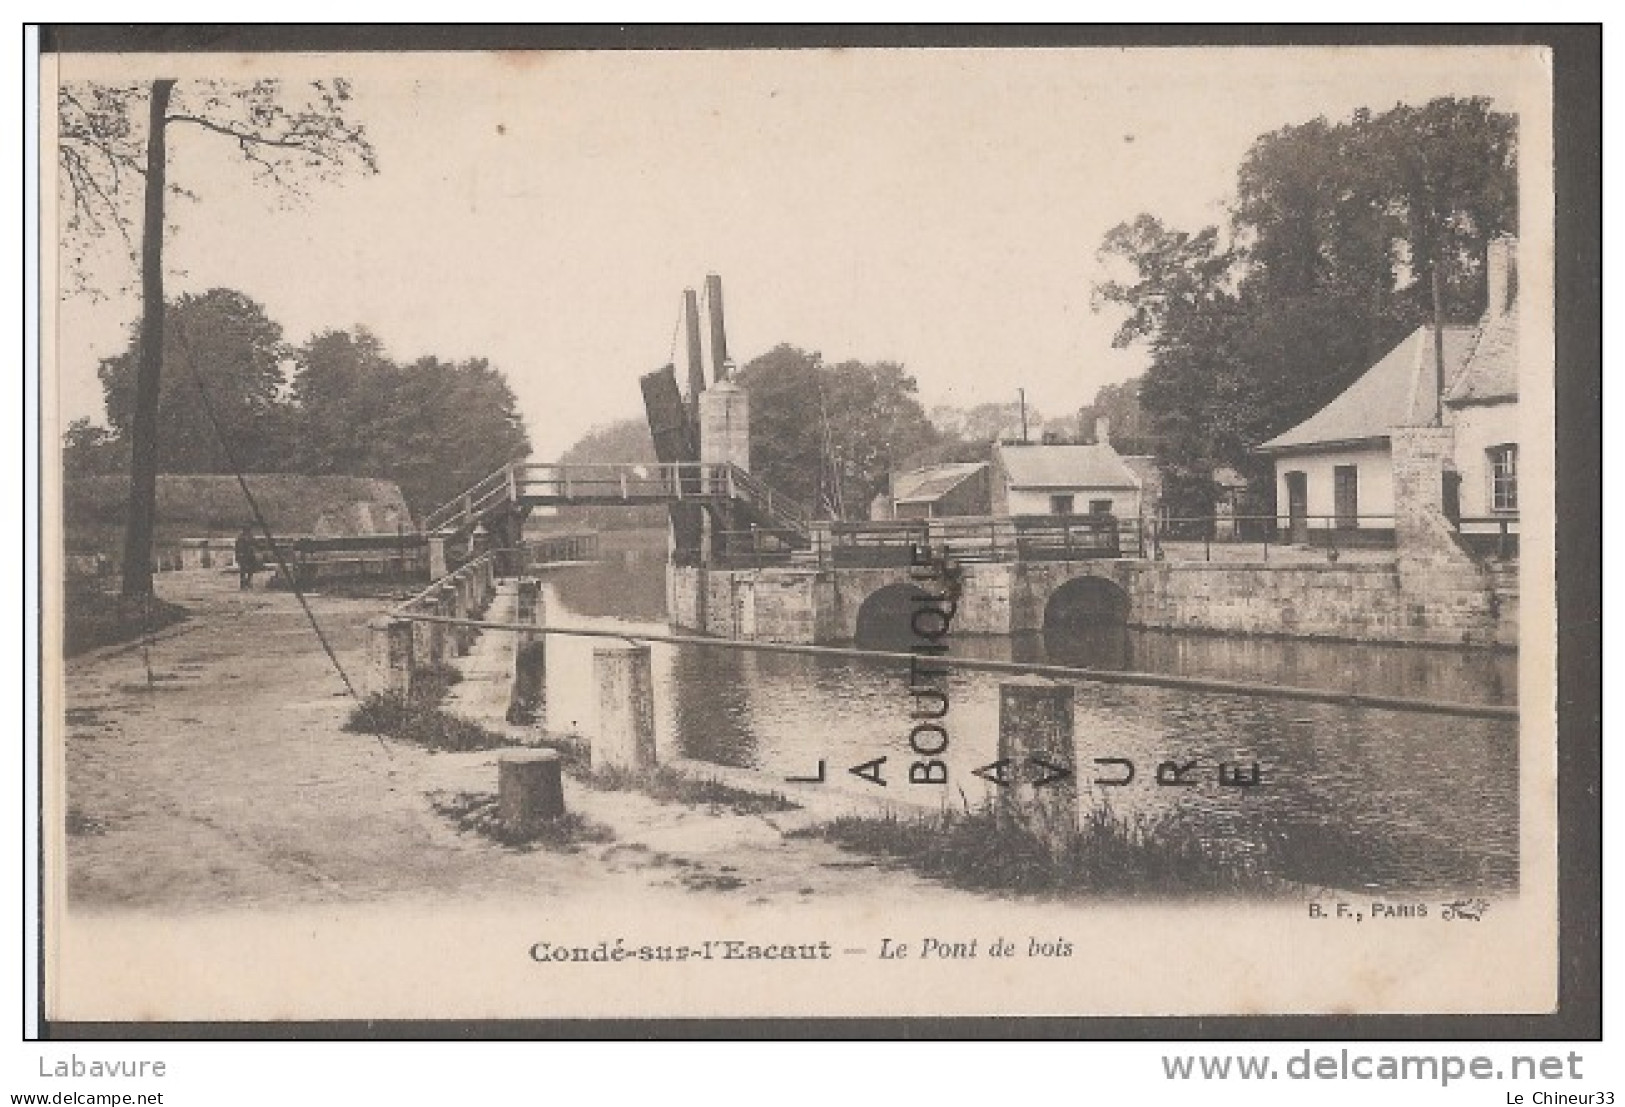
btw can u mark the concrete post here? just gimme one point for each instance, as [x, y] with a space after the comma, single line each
[437, 557]
[527, 702]
[451, 608]
[530, 788]
[626, 723]
[1035, 738]
[425, 650]
[389, 649]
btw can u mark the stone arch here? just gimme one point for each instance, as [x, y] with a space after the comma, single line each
[883, 617]
[1085, 602]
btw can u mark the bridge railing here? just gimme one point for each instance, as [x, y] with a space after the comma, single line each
[629, 482]
[467, 505]
[1490, 535]
[619, 482]
[879, 544]
[775, 505]
[1202, 537]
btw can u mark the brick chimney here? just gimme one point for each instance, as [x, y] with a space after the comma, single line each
[1501, 275]
[1103, 429]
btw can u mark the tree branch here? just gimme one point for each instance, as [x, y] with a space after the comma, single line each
[244, 137]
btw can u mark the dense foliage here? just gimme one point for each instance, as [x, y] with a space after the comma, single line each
[338, 404]
[830, 435]
[1337, 232]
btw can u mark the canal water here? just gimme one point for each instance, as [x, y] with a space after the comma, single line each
[1387, 802]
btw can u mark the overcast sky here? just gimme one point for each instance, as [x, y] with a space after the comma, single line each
[938, 208]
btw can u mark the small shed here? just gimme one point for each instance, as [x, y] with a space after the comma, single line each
[941, 491]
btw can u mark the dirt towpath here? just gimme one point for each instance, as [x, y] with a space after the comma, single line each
[226, 781]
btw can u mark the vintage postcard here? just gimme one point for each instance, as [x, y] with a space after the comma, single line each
[787, 533]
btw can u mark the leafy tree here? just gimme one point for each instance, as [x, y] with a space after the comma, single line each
[946, 449]
[991, 423]
[1344, 237]
[1131, 430]
[831, 434]
[1176, 274]
[92, 451]
[228, 343]
[432, 426]
[105, 160]
[338, 377]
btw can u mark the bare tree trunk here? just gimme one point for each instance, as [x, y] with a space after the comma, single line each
[144, 424]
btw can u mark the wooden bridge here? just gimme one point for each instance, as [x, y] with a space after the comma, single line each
[518, 487]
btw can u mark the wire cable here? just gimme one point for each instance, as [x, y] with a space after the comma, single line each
[259, 517]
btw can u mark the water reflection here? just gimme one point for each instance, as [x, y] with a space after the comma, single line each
[1354, 798]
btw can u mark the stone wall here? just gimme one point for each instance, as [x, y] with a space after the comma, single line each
[1443, 586]
[1357, 601]
[1354, 601]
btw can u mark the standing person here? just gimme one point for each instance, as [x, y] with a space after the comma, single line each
[248, 561]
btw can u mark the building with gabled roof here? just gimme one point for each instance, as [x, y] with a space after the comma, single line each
[1063, 479]
[1334, 470]
[939, 491]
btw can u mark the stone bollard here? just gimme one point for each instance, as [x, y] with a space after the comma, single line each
[434, 639]
[528, 701]
[389, 648]
[530, 788]
[1035, 738]
[465, 594]
[626, 715]
[437, 557]
[527, 592]
[446, 604]
[528, 696]
[466, 608]
[426, 649]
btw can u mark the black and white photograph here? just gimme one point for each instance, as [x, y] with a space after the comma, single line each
[786, 533]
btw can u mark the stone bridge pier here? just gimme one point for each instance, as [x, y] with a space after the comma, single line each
[823, 606]
[1352, 601]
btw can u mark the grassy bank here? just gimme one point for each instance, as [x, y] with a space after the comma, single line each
[476, 812]
[419, 718]
[92, 618]
[668, 785]
[1110, 854]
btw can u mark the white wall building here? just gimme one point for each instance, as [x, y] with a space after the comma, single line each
[1063, 479]
[1335, 469]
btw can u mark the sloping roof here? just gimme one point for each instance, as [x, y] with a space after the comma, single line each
[1491, 372]
[1145, 467]
[1398, 391]
[1070, 466]
[933, 482]
[292, 504]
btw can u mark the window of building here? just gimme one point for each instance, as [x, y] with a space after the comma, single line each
[1503, 477]
[1100, 507]
[1060, 504]
[1346, 496]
